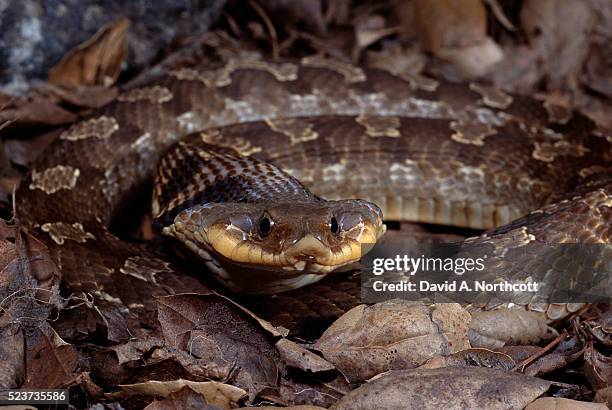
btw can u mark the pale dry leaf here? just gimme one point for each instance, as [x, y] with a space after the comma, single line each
[296, 356]
[396, 334]
[558, 31]
[447, 388]
[496, 328]
[475, 60]
[443, 24]
[396, 60]
[559, 403]
[97, 61]
[472, 357]
[218, 394]
[300, 407]
[604, 396]
[184, 399]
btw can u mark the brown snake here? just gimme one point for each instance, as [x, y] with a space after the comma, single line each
[463, 155]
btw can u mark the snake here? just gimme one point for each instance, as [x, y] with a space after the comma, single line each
[270, 174]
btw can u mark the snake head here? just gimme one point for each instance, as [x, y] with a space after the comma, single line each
[285, 245]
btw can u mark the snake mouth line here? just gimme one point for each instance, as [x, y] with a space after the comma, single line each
[306, 255]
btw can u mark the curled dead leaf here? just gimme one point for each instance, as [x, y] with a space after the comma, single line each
[559, 403]
[558, 32]
[604, 396]
[296, 356]
[184, 399]
[396, 334]
[496, 328]
[597, 368]
[97, 61]
[472, 357]
[218, 394]
[446, 388]
[300, 407]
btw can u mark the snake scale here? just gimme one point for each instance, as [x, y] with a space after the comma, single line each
[269, 139]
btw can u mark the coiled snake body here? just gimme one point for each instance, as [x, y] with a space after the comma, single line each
[238, 195]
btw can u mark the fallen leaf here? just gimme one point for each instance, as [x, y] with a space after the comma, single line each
[558, 31]
[597, 368]
[397, 334]
[294, 355]
[36, 110]
[312, 390]
[472, 357]
[25, 151]
[601, 328]
[454, 31]
[443, 24]
[208, 327]
[217, 394]
[496, 328]
[604, 396]
[300, 407]
[559, 403]
[97, 61]
[94, 96]
[12, 351]
[446, 388]
[51, 363]
[475, 60]
[184, 399]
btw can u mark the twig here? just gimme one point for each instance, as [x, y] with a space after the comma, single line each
[271, 30]
[539, 354]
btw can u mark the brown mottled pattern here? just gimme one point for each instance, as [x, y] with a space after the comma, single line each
[117, 149]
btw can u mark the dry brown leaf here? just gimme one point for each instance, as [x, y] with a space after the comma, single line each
[443, 24]
[208, 327]
[312, 390]
[12, 349]
[454, 31]
[396, 59]
[218, 394]
[601, 328]
[496, 328]
[153, 351]
[184, 399]
[52, 363]
[446, 388]
[94, 96]
[475, 60]
[604, 396]
[472, 357]
[559, 403]
[24, 151]
[97, 61]
[296, 356]
[300, 407]
[397, 334]
[36, 110]
[558, 31]
[597, 368]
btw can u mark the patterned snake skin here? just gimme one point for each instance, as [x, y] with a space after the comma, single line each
[463, 155]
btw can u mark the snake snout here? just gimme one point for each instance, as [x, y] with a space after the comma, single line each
[308, 250]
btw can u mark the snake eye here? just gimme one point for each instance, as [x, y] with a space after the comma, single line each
[265, 225]
[333, 225]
